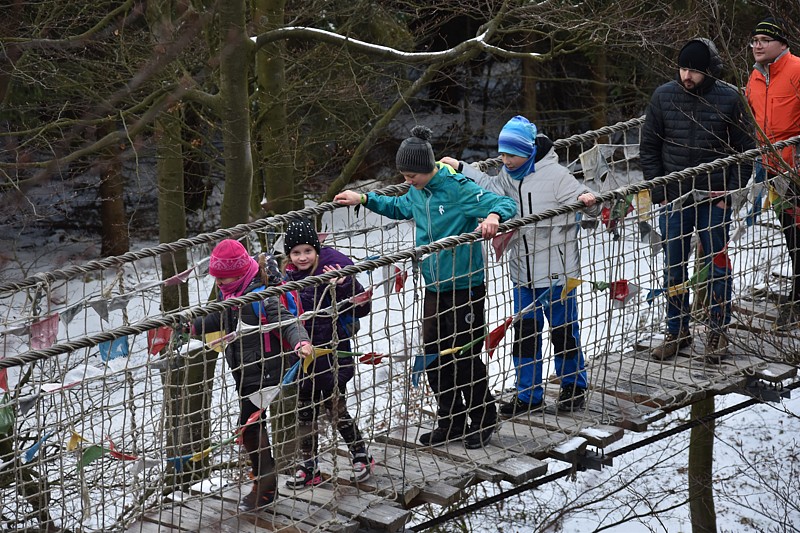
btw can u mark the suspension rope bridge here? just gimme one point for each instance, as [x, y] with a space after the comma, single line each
[113, 420]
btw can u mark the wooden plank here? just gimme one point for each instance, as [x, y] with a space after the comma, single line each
[407, 436]
[637, 388]
[678, 387]
[371, 511]
[691, 372]
[521, 469]
[218, 515]
[758, 308]
[570, 450]
[573, 423]
[175, 518]
[148, 527]
[607, 377]
[383, 481]
[438, 493]
[420, 466]
[621, 412]
[528, 440]
[775, 372]
[508, 441]
[601, 435]
[313, 516]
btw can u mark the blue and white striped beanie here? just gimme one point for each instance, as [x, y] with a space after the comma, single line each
[518, 137]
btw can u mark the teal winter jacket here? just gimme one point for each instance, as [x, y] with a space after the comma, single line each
[450, 204]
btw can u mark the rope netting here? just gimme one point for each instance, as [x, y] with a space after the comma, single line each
[115, 413]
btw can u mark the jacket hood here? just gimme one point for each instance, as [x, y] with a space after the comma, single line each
[714, 67]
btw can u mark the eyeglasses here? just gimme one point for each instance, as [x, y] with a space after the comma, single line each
[761, 42]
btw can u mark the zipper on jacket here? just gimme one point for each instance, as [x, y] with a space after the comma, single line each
[430, 230]
[529, 274]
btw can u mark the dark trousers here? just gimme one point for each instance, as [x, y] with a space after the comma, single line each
[255, 440]
[792, 236]
[459, 381]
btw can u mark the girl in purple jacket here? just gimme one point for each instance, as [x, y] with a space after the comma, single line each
[325, 384]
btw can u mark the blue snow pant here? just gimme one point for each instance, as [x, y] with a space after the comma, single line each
[565, 334]
[678, 222]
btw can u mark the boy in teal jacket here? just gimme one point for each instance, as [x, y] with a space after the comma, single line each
[444, 203]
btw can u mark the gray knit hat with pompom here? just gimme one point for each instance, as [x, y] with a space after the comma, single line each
[415, 153]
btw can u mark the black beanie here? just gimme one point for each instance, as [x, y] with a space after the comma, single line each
[771, 27]
[415, 153]
[695, 56]
[300, 232]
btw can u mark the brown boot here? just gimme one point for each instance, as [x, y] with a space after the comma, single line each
[256, 442]
[258, 497]
[671, 346]
[716, 347]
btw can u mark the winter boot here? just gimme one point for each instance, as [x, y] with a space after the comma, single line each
[257, 498]
[517, 406]
[479, 437]
[441, 435]
[363, 464]
[671, 346]
[306, 475]
[571, 398]
[716, 347]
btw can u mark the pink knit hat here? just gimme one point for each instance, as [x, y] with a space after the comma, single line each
[229, 260]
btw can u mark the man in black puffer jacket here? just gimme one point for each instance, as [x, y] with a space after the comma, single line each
[696, 119]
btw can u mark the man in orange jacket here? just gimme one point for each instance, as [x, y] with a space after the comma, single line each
[773, 92]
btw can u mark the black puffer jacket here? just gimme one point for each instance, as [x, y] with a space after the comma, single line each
[256, 360]
[685, 128]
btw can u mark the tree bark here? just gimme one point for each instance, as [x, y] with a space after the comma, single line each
[114, 222]
[235, 60]
[187, 399]
[171, 209]
[701, 468]
[530, 76]
[275, 175]
[599, 89]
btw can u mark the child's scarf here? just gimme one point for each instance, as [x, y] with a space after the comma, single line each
[236, 288]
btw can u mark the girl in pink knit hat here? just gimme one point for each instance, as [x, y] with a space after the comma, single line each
[256, 361]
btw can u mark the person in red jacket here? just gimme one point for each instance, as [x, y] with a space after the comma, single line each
[773, 92]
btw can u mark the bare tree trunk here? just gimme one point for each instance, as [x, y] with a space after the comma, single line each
[531, 70]
[171, 209]
[599, 89]
[701, 468]
[275, 174]
[114, 226]
[234, 65]
[186, 397]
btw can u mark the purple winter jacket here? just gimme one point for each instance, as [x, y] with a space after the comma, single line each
[320, 328]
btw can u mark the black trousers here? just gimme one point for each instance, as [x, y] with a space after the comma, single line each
[792, 236]
[459, 381]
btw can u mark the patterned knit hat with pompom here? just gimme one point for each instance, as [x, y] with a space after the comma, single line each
[415, 154]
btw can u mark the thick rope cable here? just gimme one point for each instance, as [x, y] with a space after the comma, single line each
[243, 229]
[519, 489]
[373, 264]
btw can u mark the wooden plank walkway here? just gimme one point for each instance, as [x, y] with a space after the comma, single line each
[628, 391]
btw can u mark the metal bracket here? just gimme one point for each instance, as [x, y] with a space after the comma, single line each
[766, 392]
[593, 460]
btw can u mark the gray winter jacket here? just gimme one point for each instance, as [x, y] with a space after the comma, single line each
[544, 253]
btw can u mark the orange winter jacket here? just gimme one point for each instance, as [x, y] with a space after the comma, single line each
[773, 93]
